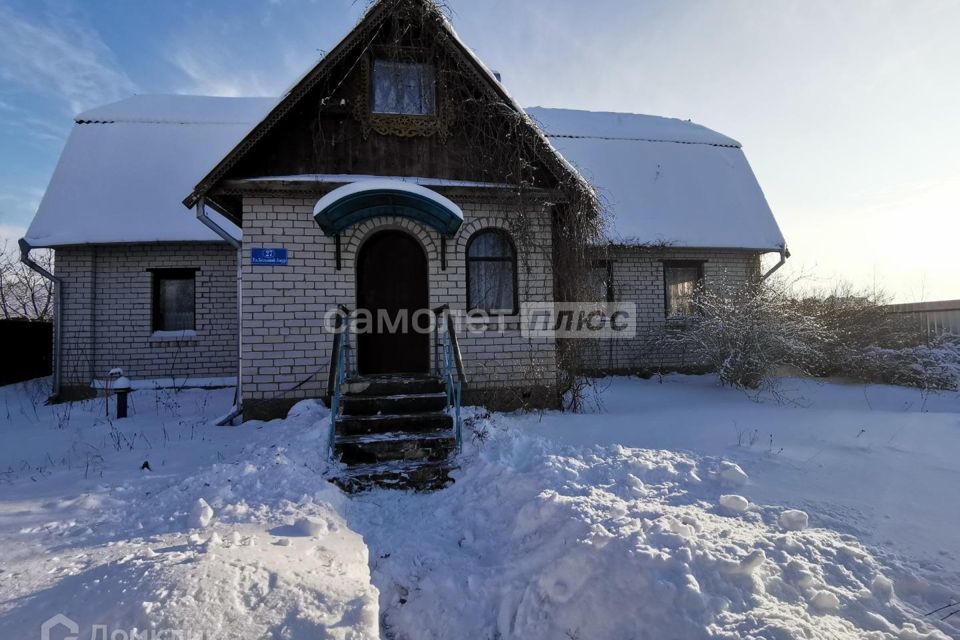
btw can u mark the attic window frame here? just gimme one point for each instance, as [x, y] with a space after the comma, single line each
[422, 65]
[404, 125]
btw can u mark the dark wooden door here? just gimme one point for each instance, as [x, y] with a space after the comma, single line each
[392, 279]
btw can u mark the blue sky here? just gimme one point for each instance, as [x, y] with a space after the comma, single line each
[848, 111]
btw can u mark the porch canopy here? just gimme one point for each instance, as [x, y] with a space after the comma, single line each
[366, 199]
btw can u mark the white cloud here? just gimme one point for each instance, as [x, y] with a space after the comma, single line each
[9, 235]
[258, 51]
[60, 56]
[211, 76]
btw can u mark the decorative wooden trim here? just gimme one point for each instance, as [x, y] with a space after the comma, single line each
[367, 31]
[397, 124]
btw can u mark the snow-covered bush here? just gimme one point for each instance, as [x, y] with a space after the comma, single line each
[930, 366]
[856, 321]
[865, 341]
[745, 334]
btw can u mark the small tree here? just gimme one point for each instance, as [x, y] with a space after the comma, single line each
[24, 293]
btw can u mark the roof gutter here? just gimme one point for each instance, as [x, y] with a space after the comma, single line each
[25, 258]
[238, 245]
[213, 226]
[784, 254]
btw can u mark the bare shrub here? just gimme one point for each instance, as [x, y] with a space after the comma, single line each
[856, 321]
[868, 342]
[934, 366]
[745, 334]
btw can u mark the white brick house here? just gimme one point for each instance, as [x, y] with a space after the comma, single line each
[162, 208]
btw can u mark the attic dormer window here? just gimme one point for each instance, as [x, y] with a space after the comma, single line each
[404, 88]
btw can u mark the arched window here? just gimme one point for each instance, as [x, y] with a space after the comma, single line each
[492, 272]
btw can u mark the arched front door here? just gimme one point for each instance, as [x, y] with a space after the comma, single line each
[392, 284]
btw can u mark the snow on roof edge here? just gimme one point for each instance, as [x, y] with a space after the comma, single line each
[176, 109]
[563, 122]
[378, 184]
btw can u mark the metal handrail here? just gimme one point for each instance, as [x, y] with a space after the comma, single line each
[339, 364]
[449, 345]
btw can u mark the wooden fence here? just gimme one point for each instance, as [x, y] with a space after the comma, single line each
[933, 318]
[26, 350]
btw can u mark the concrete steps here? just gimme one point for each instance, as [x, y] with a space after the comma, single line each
[405, 476]
[394, 433]
[402, 404]
[393, 423]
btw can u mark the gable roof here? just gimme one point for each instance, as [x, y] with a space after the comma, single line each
[366, 28]
[126, 165]
[666, 181]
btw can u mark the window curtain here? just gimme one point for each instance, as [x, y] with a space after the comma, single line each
[406, 88]
[681, 283]
[491, 264]
[491, 286]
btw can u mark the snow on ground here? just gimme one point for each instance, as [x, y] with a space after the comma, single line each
[875, 461]
[107, 543]
[645, 519]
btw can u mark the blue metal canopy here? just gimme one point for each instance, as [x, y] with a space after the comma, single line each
[360, 201]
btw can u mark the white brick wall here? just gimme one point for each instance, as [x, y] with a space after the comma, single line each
[107, 302]
[107, 315]
[284, 342]
[638, 277]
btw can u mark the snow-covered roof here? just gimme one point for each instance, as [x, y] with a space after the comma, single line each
[180, 109]
[125, 167]
[378, 11]
[665, 181]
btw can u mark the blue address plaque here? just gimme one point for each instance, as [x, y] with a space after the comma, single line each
[268, 257]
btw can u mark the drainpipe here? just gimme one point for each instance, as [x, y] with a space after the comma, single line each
[238, 245]
[25, 258]
[784, 254]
